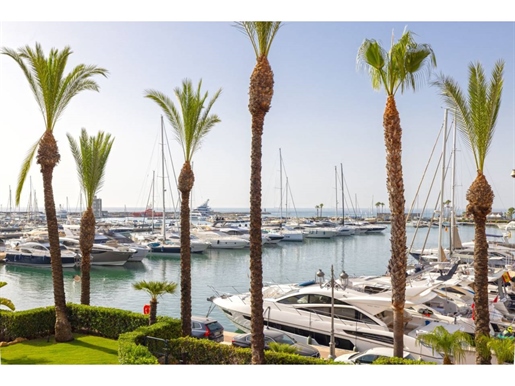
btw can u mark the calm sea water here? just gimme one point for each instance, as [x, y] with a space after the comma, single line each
[226, 271]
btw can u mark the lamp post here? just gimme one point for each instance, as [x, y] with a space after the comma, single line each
[343, 279]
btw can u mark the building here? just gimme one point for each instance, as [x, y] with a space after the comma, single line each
[97, 207]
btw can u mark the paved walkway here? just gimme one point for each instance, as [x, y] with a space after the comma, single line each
[324, 350]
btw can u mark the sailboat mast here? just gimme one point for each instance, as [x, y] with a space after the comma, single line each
[452, 216]
[440, 224]
[153, 196]
[343, 202]
[163, 171]
[336, 190]
[281, 186]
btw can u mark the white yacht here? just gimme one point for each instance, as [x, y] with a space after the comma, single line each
[37, 254]
[220, 240]
[101, 254]
[361, 320]
[320, 233]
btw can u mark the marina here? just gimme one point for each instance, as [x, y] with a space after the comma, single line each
[216, 271]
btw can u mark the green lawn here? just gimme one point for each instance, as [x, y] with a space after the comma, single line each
[83, 350]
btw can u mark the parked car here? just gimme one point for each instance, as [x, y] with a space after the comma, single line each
[370, 355]
[207, 328]
[243, 340]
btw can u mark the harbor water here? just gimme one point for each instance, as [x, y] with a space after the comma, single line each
[218, 271]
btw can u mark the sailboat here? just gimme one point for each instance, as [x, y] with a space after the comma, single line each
[164, 245]
[288, 232]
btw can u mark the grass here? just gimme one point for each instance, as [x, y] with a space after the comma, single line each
[83, 350]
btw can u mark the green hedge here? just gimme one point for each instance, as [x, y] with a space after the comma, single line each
[203, 352]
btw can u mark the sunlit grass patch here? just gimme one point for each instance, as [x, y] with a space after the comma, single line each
[84, 349]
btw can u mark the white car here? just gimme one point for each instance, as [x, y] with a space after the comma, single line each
[369, 356]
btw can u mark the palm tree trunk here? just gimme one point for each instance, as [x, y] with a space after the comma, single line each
[480, 197]
[153, 312]
[260, 97]
[395, 185]
[185, 184]
[87, 238]
[256, 244]
[48, 157]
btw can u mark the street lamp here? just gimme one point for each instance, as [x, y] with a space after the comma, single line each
[344, 280]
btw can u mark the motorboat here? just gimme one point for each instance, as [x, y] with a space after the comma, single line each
[37, 254]
[171, 247]
[118, 239]
[101, 254]
[272, 237]
[220, 240]
[204, 209]
[320, 233]
[361, 320]
[345, 230]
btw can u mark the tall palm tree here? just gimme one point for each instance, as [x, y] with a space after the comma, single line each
[261, 90]
[476, 117]
[155, 289]
[450, 345]
[321, 206]
[4, 301]
[509, 212]
[90, 154]
[397, 69]
[191, 121]
[53, 91]
[317, 207]
[377, 204]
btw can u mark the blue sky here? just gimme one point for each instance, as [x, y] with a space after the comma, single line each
[324, 112]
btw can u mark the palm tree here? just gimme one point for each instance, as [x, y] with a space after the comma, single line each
[4, 301]
[282, 347]
[53, 91]
[476, 117]
[509, 212]
[450, 345]
[502, 348]
[317, 207]
[155, 289]
[378, 204]
[261, 35]
[90, 154]
[321, 206]
[398, 68]
[191, 122]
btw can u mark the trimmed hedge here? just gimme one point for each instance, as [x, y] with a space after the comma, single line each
[203, 352]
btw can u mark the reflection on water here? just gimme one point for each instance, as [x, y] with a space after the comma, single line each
[226, 271]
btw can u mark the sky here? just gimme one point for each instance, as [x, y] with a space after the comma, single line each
[325, 121]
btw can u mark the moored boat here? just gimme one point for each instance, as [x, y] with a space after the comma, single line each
[36, 254]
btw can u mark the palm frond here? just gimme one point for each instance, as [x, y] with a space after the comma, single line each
[476, 115]
[260, 33]
[406, 65]
[191, 120]
[25, 167]
[91, 154]
[51, 88]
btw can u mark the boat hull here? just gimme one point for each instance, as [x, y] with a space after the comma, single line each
[42, 261]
